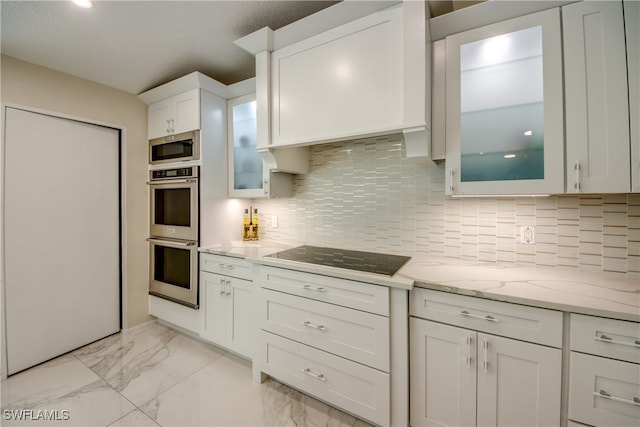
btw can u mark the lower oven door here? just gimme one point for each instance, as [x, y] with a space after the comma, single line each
[173, 271]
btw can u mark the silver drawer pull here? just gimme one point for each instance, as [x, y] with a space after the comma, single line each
[313, 325]
[605, 395]
[604, 338]
[313, 374]
[228, 266]
[488, 317]
[312, 288]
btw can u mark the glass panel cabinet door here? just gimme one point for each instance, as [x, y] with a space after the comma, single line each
[504, 108]
[246, 166]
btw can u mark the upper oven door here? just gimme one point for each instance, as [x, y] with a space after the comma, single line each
[175, 148]
[174, 209]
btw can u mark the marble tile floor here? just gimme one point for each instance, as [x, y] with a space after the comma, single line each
[153, 375]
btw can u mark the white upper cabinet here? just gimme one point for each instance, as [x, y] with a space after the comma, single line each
[345, 73]
[345, 82]
[248, 175]
[597, 103]
[632, 29]
[177, 114]
[504, 111]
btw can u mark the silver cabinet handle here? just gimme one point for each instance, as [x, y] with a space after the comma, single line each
[309, 372]
[313, 325]
[469, 358]
[222, 286]
[313, 288]
[168, 125]
[451, 175]
[228, 288]
[485, 364]
[266, 187]
[226, 266]
[577, 168]
[488, 317]
[604, 338]
[605, 395]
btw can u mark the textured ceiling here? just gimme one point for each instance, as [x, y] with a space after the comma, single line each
[137, 45]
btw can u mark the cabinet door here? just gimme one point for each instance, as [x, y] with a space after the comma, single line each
[180, 113]
[160, 114]
[597, 103]
[504, 120]
[248, 175]
[632, 29]
[343, 83]
[246, 167]
[518, 383]
[186, 111]
[241, 324]
[215, 288]
[443, 374]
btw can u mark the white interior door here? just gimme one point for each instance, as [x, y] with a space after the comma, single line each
[61, 235]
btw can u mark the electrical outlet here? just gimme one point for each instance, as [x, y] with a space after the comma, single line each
[527, 235]
[274, 221]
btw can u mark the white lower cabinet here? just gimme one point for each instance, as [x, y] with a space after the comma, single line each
[227, 317]
[604, 379]
[327, 337]
[463, 377]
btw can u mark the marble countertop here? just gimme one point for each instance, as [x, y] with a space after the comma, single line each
[592, 293]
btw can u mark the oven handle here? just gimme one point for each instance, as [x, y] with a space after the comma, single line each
[172, 181]
[170, 243]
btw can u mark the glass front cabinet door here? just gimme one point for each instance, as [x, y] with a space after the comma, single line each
[245, 163]
[504, 121]
[248, 176]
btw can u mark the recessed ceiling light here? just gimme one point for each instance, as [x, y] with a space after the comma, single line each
[509, 156]
[85, 4]
[528, 132]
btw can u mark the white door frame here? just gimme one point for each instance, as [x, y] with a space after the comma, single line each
[123, 217]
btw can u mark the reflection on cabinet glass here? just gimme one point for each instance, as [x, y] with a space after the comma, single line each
[504, 108]
[247, 163]
[502, 115]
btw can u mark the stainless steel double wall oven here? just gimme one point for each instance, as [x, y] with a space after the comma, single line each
[174, 234]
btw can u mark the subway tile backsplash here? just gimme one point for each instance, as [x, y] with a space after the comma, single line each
[366, 195]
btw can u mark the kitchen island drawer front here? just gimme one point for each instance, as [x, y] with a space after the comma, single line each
[226, 266]
[347, 293]
[604, 392]
[348, 385]
[356, 335]
[521, 322]
[617, 339]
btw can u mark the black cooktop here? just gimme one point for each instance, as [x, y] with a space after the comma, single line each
[369, 262]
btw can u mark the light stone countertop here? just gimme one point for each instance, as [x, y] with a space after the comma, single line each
[591, 293]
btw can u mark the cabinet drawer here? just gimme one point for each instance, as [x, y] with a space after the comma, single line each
[347, 293]
[617, 339]
[356, 335]
[348, 385]
[226, 266]
[525, 323]
[604, 392]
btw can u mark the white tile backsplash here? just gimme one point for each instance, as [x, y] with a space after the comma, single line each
[365, 195]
